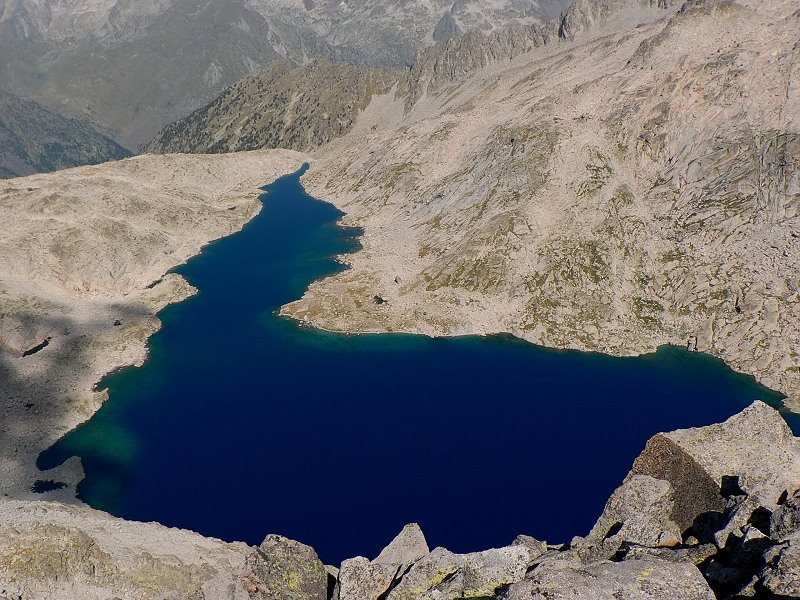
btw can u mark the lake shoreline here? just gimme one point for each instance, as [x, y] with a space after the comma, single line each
[42, 404]
[231, 342]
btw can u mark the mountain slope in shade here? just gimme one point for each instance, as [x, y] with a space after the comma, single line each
[35, 140]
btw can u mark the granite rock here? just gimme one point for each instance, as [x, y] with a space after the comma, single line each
[443, 575]
[638, 579]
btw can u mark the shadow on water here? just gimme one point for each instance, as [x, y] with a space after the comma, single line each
[243, 423]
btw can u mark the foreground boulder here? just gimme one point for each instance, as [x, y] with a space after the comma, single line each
[640, 512]
[781, 574]
[640, 579]
[443, 575]
[287, 570]
[720, 497]
[706, 482]
[60, 552]
[362, 579]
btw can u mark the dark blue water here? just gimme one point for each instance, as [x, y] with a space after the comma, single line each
[244, 423]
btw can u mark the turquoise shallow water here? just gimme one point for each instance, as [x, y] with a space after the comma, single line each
[243, 423]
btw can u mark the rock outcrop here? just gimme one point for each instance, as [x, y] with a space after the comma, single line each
[362, 579]
[722, 497]
[281, 107]
[639, 579]
[105, 59]
[303, 107]
[286, 569]
[61, 552]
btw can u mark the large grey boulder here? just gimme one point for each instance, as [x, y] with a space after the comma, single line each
[696, 554]
[639, 579]
[756, 446]
[785, 520]
[536, 548]
[407, 547]
[284, 569]
[443, 575]
[638, 512]
[362, 579]
[711, 481]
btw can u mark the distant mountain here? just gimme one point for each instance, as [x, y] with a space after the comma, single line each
[34, 140]
[135, 65]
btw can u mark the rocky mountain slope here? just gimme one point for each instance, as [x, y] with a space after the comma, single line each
[705, 513]
[634, 188]
[135, 66]
[281, 107]
[34, 140]
[308, 106]
[83, 262]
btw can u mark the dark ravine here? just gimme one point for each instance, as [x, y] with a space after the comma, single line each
[705, 513]
[34, 139]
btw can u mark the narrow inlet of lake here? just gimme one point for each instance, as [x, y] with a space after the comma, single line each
[243, 423]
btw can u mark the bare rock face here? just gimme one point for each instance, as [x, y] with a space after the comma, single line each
[710, 482]
[361, 579]
[639, 512]
[640, 579]
[722, 498]
[34, 139]
[695, 491]
[62, 552]
[634, 187]
[282, 106]
[283, 569]
[536, 548]
[781, 575]
[786, 518]
[756, 446]
[406, 548]
[442, 575]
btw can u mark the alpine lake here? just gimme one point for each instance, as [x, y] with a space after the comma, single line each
[243, 423]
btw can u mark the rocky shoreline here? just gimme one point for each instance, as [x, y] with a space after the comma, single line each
[84, 266]
[708, 512]
[611, 194]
